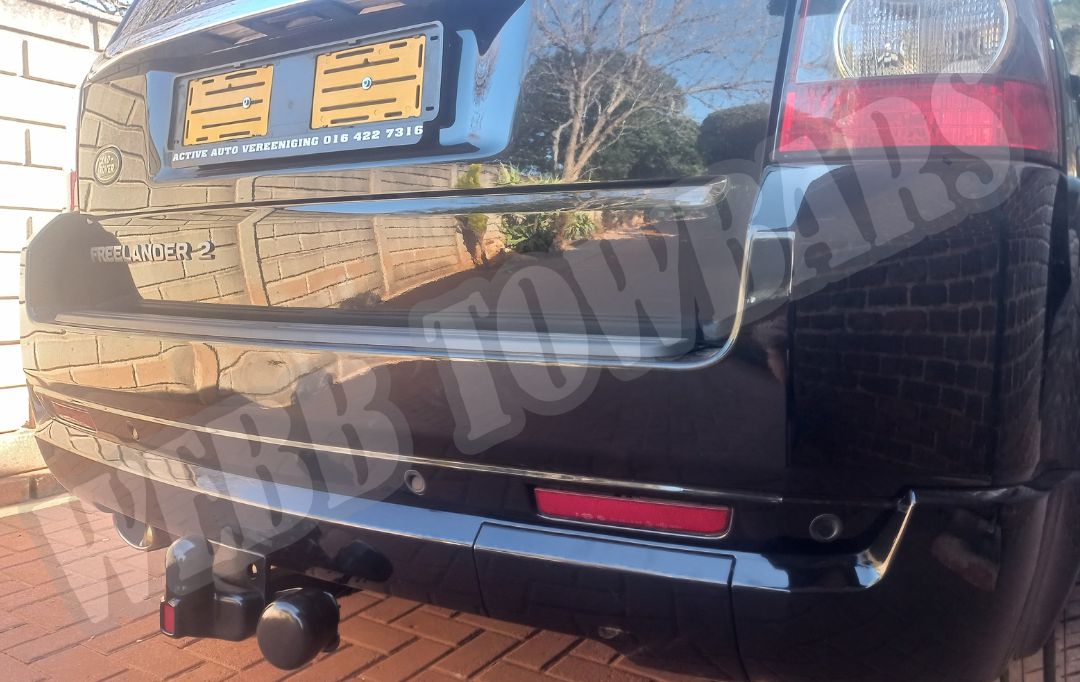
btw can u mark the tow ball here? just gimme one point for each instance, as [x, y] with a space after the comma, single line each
[297, 626]
[218, 592]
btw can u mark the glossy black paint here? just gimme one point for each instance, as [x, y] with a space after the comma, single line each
[894, 341]
[877, 374]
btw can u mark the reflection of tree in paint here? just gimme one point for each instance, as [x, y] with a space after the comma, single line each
[734, 133]
[115, 7]
[624, 72]
[1068, 18]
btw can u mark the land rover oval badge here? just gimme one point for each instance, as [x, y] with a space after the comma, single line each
[107, 165]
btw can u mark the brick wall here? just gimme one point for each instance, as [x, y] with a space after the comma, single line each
[46, 48]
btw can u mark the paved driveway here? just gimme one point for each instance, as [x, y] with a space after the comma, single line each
[76, 603]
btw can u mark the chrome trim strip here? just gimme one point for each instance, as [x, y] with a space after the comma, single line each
[699, 566]
[751, 571]
[393, 341]
[685, 196]
[767, 573]
[410, 459]
[353, 511]
[689, 195]
[569, 350]
[898, 530]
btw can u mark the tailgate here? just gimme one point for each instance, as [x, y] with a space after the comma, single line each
[396, 243]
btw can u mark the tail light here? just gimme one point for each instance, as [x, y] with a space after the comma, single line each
[73, 190]
[661, 515]
[168, 616]
[872, 74]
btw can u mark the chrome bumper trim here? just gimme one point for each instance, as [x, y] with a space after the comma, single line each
[700, 566]
[751, 571]
[560, 349]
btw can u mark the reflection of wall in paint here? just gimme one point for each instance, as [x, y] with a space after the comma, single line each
[295, 260]
[46, 48]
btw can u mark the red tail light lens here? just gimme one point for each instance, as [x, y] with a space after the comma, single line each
[660, 515]
[916, 112]
[873, 74]
[168, 617]
[73, 191]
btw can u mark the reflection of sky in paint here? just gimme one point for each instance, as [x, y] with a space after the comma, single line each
[749, 33]
[759, 89]
[740, 37]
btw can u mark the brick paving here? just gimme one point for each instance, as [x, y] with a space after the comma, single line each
[75, 602]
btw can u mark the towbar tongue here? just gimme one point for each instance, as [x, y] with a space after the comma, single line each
[220, 592]
[207, 594]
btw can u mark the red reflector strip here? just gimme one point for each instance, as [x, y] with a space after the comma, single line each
[636, 513]
[72, 414]
[73, 191]
[168, 618]
[841, 116]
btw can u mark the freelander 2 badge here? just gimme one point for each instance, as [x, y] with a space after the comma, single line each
[107, 165]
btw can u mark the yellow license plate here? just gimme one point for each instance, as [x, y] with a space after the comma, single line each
[228, 106]
[369, 84]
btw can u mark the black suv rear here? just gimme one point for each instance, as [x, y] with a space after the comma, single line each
[741, 334]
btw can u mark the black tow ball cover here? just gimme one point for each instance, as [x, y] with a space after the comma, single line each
[298, 625]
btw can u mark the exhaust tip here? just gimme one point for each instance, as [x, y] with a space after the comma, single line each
[139, 535]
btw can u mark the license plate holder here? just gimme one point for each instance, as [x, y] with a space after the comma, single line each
[381, 82]
[291, 130]
[228, 106]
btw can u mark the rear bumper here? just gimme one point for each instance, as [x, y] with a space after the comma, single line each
[948, 580]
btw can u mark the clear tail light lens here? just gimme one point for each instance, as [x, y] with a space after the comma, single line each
[899, 38]
[872, 74]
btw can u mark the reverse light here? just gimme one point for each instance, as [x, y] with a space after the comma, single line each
[898, 37]
[876, 74]
[660, 515]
